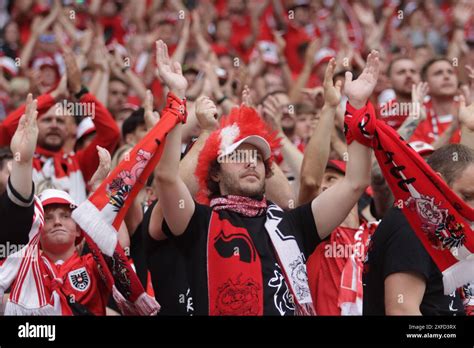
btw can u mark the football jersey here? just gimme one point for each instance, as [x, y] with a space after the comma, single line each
[82, 283]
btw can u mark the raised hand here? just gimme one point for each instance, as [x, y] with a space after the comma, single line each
[61, 92]
[170, 72]
[332, 93]
[462, 12]
[23, 143]
[206, 113]
[151, 117]
[466, 113]
[358, 91]
[74, 82]
[418, 94]
[102, 170]
[273, 112]
[247, 97]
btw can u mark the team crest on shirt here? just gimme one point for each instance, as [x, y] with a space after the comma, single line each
[79, 279]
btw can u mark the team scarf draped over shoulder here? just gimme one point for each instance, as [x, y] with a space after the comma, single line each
[440, 219]
[235, 281]
[22, 271]
[102, 214]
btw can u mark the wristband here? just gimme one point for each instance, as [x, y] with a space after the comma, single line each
[83, 91]
[221, 100]
[177, 106]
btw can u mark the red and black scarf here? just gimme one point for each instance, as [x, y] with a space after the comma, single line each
[440, 219]
[235, 277]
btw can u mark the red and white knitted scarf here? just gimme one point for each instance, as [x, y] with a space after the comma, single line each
[31, 293]
[440, 219]
[60, 171]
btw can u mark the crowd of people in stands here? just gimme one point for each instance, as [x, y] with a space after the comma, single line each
[224, 152]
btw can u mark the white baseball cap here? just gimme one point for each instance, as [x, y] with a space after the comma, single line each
[53, 196]
[255, 140]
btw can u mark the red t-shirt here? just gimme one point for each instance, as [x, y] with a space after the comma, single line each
[434, 126]
[391, 113]
[326, 264]
[81, 279]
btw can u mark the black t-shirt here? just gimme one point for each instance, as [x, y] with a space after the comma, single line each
[193, 244]
[16, 216]
[137, 254]
[168, 272]
[394, 248]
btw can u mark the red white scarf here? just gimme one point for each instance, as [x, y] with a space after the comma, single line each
[335, 270]
[61, 171]
[235, 281]
[31, 293]
[350, 294]
[440, 219]
[102, 214]
[434, 126]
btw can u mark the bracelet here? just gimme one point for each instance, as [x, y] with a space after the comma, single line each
[221, 100]
[83, 91]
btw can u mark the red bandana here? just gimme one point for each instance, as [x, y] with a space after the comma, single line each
[239, 204]
[440, 219]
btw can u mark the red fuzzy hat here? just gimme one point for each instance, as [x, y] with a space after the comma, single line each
[243, 125]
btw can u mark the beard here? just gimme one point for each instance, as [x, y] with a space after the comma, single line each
[233, 187]
[45, 144]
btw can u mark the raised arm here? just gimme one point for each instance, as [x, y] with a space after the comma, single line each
[303, 78]
[417, 111]
[332, 206]
[178, 205]
[466, 118]
[107, 132]
[316, 153]
[206, 114]
[292, 156]
[23, 146]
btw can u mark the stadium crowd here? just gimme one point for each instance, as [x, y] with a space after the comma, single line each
[206, 157]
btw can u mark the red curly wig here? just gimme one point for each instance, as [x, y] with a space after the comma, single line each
[240, 123]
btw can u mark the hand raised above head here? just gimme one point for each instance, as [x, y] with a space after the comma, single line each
[359, 90]
[23, 143]
[206, 113]
[170, 72]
